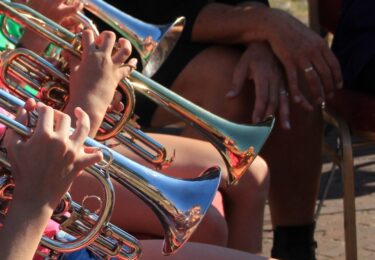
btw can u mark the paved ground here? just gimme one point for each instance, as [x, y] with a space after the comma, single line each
[329, 232]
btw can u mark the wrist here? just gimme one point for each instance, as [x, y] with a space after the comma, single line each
[262, 26]
[276, 24]
[32, 207]
[94, 105]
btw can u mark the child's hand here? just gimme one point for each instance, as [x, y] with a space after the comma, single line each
[45, 165]
[93, 82]
[55, 10]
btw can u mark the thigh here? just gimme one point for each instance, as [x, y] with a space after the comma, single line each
[134, 216]
[151, 250]
[205, 81]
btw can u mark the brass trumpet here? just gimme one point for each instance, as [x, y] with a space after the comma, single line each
[238, 144]
[179, 204]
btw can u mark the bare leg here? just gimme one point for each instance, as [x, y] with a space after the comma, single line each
[244, 203]
[295, 161]
[151, 250]
[205, 81]
[294, 156]
[194, 156]
[132, 215]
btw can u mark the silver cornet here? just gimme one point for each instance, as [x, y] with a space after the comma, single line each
[56, 95]
[154, 43]
[179, 204]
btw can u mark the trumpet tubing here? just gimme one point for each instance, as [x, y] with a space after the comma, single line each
[238, 144]
[180, 204]
[154, 43]
[30, 76]
[85, 229]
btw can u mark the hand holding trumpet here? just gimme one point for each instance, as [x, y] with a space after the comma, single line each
[41, 183]
[104, 71]
[51, 139]
[58, 11]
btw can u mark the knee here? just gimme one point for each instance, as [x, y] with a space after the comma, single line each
[210, 74]
[213, 229]
[211, 68]
[259, 175]
[254, 185]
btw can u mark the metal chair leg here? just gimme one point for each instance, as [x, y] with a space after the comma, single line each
[345, 161]
[325, 192]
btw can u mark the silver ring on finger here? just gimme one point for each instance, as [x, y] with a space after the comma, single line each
[283, 92]
[308, 69]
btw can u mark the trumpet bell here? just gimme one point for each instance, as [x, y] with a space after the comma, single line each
[153, 42]
[180, 204]
[235, 142]
[238, 144]
[241, 144]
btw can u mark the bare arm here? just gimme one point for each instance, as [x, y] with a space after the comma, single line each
[41, 183]
[221, 23]
[57, 11]
[23, 229]
[300, 50]
[94, 79]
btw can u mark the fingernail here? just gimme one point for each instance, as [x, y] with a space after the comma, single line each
[286, 125]
[340, 85]
[231, 94]
[134, 62]
[297, 99]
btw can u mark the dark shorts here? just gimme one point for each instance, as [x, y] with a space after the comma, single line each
[365, 81]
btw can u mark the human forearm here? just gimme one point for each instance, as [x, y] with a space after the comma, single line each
[94, 79]
[31, 208]
[94, 104]
[221, 23]
[20, 236]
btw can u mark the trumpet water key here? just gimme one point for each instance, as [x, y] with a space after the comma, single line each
[180, 204]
